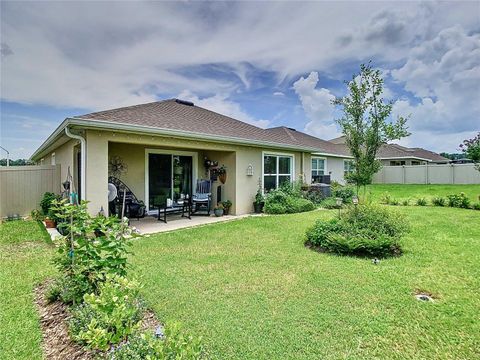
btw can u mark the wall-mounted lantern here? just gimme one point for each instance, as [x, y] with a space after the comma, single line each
[250, 170]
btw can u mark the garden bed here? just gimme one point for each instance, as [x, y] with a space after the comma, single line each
[54, 317]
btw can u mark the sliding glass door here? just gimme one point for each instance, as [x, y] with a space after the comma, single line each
[169, 177]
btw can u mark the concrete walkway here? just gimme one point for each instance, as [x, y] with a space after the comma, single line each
[150, 224]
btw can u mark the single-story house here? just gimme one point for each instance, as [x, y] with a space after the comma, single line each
[397, 155]
[165, 146]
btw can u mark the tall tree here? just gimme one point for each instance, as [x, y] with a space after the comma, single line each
[366, 123]
[471, 149]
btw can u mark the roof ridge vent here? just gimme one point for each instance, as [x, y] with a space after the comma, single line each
[184, 102]
[289, 128]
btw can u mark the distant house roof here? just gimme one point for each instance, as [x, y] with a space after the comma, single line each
[395, 151]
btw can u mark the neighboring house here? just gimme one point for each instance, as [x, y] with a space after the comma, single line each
[164, 145]
[397, 155]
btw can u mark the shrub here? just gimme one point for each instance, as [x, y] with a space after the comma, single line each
[476, 206]
[394, 202]
[344, 192]
[363, 230]
[385, 198]
[286, 200]
[330, 203]
[438, 201]
[47, 202]
[406, 202]
[109, 317]
[421, 202]
[458, 200]
[174, 345]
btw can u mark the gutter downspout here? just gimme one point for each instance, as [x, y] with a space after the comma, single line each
[83, 154]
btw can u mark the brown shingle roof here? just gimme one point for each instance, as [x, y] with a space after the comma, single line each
[178, 115]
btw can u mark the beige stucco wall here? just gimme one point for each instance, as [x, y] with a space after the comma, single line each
[65, 157]
[240, 188]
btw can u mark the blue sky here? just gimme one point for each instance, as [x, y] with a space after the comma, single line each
[268, 64]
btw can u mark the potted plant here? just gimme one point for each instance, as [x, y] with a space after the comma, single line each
[227, 204]
[222, 174]
[218, 210]
[259, 202]
[50, 221]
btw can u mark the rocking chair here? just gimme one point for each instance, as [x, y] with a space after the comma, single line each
[202, 197]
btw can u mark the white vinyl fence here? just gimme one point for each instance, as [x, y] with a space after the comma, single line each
[22, 187]
[428, 174]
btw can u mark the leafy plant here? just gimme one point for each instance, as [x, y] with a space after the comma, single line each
[385, 198]
[471, 149]
[259, 198]
[458, 200]
[346, 193]
[227, 203]
[476, 206]
[174, 345]
[93, 248]
[108, 317]
[330, 203]
[362, 230]
[394, 202]
[47, 202]
[439, 201]
[36, 215]
[365, 123]
[421, 202]
[286, 200]
[406, 202]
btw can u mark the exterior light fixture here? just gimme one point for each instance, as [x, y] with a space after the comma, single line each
[339, 204]
[250, 170]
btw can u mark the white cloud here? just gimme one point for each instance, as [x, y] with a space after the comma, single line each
[99, 55]
[278, 93]
[317, 104]
[444, 74]
[221, 104]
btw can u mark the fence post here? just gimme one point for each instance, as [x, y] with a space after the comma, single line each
[452, 167]
[426, 173]
[403, 174]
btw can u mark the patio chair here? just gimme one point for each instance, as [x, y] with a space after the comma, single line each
[202, 196]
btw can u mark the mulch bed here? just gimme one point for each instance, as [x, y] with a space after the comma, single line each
[54, 317]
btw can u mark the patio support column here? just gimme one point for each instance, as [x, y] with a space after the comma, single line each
[96, 172]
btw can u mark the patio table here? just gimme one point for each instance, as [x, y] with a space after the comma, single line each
[184, 208]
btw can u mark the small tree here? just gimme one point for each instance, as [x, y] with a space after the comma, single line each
[365, 123]
[471, 149]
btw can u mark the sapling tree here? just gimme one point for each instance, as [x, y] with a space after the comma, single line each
[366, 123]
[471, 149]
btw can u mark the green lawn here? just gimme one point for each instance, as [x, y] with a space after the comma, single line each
[25, 254]
[253, 291]
[401, 192]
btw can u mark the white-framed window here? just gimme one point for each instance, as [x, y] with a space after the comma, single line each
[348, 167]
[52, 160]
[318, 166]
[277, 169]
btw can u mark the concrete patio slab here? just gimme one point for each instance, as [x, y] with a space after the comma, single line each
[150, 224]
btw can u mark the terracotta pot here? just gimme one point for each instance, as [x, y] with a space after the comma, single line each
[50, 224]
[222, 178]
